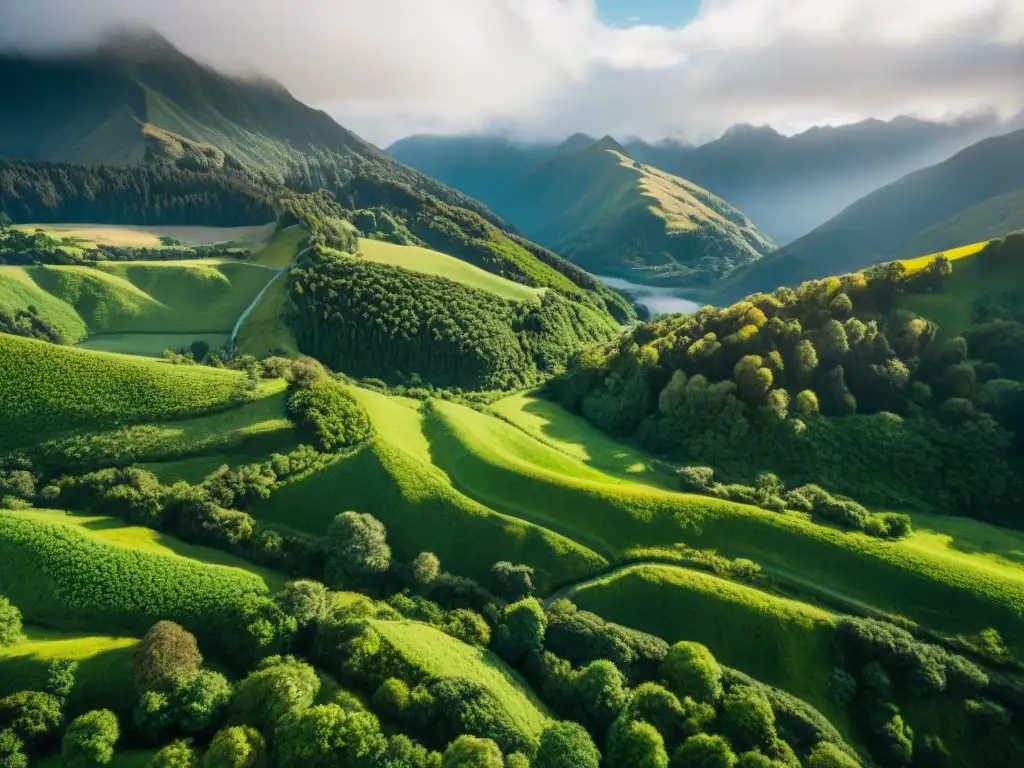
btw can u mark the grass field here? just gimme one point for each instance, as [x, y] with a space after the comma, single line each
[19, 291]
[104, 668]
[500, 466]
[150, 344]
[394, 479]
[954, 254]
[261, 426]
[281, 249]
[149, 237]
[49, 390]
[70, 576]
[439, 656]
[953, 308]
[266, 330]
[780, 642]
[431, 262]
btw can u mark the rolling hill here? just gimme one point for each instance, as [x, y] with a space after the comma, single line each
[971, 197]
[607, 213]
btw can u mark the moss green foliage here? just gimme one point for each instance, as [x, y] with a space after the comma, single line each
[166, 652]
[635, 743]
[389, 323]
[904, 421]
[691, 670]
[10, 623]
[279, 685]
[50, 389]
[566, 743]
[471, 752]
[236, 747]
[329, 417]
[122, 589]
[324, 736]
[395, 480]
[356, 549]
[90, 738]
[704, 751]
[177, 754]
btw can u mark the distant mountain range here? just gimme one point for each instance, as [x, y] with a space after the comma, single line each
[786, 185]
[600, 208]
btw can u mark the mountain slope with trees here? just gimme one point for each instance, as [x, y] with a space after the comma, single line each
[969, 198]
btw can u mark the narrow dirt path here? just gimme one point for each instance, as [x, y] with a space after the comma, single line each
[252, 305]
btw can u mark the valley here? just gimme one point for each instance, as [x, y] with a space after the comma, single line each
[307, 459]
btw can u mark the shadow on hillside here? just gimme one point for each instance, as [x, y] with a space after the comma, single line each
[975, 538]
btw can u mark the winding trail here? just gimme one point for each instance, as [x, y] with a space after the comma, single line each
[252, 305]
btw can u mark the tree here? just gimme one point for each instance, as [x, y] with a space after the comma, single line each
[691, 670]
[827, 755]
[278, 686]
[653, 704]
[599, 694]
[177, 754]
[236, 747]
[521, 632]
[472, 752]
[199, 349]
[326, 736]
[753, 379]
[252, 628]
[403, 752]
[391, 699]
[12, 753]
[200, 701]
[425, 568]
[704, 751]
[757, 760]
[329, 417]
[305, 601]
[60, 678]
[10, 623]
[468, 626]
[165, 653]
[635, 744]
[748, 719]
[566, 745]
[511, 582]
[356, 549]
[304, 372]
[90, 739]
[32, 715]
[807, 404]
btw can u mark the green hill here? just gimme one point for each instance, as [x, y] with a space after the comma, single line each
[969, 198]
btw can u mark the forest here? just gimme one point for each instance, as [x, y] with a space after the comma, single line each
[388, 323]
[833, 383]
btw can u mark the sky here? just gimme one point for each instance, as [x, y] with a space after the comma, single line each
[543, 69]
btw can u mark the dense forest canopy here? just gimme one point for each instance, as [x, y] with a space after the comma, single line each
[832, 383]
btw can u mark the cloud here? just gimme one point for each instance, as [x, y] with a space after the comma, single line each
[546, 68]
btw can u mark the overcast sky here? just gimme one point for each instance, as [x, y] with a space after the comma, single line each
[548, 68]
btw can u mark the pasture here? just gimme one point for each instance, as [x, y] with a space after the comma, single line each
[438, 655]
[281, 249]
[150, 344]
[139, 236]
[49, 390]
[431, 262]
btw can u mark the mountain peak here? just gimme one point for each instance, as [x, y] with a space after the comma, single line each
[575, 143]
[136, 43]
[608, 144]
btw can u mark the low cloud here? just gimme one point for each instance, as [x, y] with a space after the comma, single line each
[546, 68]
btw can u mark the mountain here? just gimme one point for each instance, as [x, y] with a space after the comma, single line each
[976, 195]
[589, 200]
[790, 185]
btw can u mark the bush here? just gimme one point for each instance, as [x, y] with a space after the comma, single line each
[177, 754]
[826, 755]
[467, 626]
[12, 753]
[391, 699]
[696, 479]
[471, 752]
[704, 751]
[165, 653]
[748, 719]
[842, 687]
[599, 695]
[655, 705]
[191, 705]
[356, 549]
[326, 736]
[329, 417]
[511, 582]
[521, 631]
[633, 744]
[691, 670]
[305, 601]
[425, 568]
[236, 747]
[34, 717]
[10, 623]
[90, 739]
[276, 687]
[566, 745]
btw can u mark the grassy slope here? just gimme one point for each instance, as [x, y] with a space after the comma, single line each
[129, 584]
[18, 291]
[432, 262]
[109, 530]
[394, 479]
[973, 276]
[281, 249]
[780, 642]
[104, 667]
[439, 655]
[149, 344]
[489, 460]
[50, 389]
[149, 237]
[989, 219]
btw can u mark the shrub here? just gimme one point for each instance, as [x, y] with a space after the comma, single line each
[391, 699]
[691, 670]
[696, 479]
[425, 568]
[12, 753]
[471, 752]
[566, 745]
[402, 752]
[305, 601]
[356, 549]
[236, 747]
[599, 695]
[842, 687]
[467, 626]
[511, 582]
[653, 704]
[165, 653]
[277, 686]
[326, 736]
[33, 716]
[10, 623]
[704, 751]
[329, 417]
[826, 755]
[191, 705]
[60, 678]
[521, 632]
[747, 719]
[177, 754]
[90, 739]
[633, 744]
